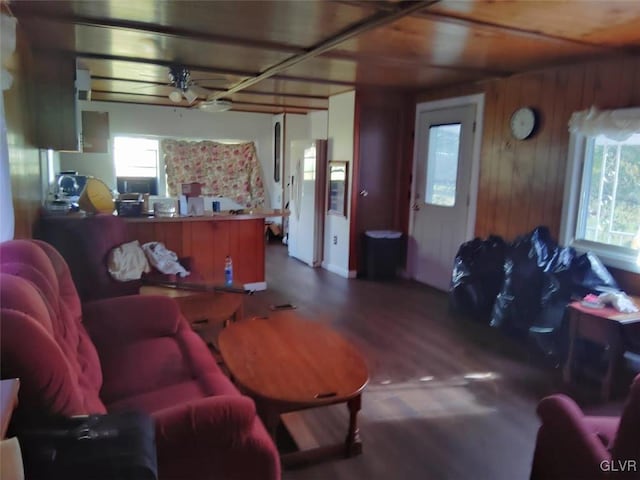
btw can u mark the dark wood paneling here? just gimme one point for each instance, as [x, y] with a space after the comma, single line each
[447, 43]
[628, 281]
[24, 161]
[54, 103]
[556, 18]
[521, 183]
[381, 150]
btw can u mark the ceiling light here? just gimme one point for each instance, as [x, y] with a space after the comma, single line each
[216, 105]
[175, 96]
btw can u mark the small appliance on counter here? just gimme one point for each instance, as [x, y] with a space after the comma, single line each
[65, 193]
[130, 204]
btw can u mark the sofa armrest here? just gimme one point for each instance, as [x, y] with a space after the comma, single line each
[222, 421]
[565, 417]
[568, 446]
[131, 318]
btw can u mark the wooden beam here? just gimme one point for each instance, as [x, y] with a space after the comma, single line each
[248, 92]
[191, 67]
[402, 9]
[115, 92]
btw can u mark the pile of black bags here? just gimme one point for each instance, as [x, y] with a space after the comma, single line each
[523, 287]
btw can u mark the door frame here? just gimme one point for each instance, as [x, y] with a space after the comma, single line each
[478, 101]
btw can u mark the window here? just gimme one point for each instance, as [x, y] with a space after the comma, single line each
[136, 157]
[442, 164]
[602, 198]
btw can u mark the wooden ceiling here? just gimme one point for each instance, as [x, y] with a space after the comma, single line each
[290, 56]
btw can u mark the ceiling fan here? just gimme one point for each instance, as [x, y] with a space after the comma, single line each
[185, 87]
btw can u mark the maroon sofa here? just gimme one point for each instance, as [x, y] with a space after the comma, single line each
[571, 445]
[125, 353]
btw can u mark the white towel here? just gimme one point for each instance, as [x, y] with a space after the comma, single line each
[164, 259]
[128, 262]
[620, 301]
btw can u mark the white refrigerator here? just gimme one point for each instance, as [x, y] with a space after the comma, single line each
[307, 200]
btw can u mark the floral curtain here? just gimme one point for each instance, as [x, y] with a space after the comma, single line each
[231, 171]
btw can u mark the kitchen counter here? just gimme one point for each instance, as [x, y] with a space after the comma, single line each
[208, 239]
[211, 216]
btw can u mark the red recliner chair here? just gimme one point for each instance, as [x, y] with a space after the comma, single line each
[125, 353]
[572, 446]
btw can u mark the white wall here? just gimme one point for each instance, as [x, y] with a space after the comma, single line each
[296, 128]
[318, 124]
[340, 127]
[188, 124]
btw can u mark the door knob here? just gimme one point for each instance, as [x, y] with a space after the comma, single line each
[364, 193]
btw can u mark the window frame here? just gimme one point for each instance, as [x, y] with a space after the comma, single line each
[575, 193]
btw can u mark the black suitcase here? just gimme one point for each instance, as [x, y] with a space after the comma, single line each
[117, 446]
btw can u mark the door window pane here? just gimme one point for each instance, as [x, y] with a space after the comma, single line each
[442, 164]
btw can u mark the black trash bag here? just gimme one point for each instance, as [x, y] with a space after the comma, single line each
[519, 302]
[548, 332]
[477, 276]
[589, 274]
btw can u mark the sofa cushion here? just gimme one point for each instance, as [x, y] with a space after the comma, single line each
[176, 394]
[143, 366]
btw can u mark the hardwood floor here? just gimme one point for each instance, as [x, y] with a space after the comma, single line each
[447, 398]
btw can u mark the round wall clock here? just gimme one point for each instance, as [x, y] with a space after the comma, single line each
[523, 123]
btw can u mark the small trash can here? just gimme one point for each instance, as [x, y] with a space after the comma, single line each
[383, 253]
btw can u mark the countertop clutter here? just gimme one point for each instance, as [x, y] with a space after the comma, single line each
[208, 216]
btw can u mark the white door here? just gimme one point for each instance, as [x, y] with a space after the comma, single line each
[302, 221]
[441, 192]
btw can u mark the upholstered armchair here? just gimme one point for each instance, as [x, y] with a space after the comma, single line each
[571, 445]
[119, 354]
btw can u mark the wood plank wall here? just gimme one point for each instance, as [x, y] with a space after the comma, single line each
[24, 160]
[207, 243]
[522, 182]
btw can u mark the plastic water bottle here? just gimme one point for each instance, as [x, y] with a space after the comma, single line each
[228, 270]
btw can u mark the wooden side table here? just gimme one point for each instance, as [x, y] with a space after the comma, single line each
[602, 326]
[202, 309]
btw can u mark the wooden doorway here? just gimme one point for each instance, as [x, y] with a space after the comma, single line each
[444, 191]
[380, 193]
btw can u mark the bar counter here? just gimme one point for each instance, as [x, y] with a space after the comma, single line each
[208, 239]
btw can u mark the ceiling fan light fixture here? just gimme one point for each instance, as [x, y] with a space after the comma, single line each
[190, 95]
[175, 96]
[216, 105]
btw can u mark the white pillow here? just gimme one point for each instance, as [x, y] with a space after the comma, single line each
[128, 262]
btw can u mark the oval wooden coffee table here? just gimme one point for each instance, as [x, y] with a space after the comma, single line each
[286, 363]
